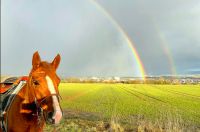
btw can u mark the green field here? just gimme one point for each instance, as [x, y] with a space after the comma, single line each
[130, 106]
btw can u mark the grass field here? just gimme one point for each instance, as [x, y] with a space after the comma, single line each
[129, 107]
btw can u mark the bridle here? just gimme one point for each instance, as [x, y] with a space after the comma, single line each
[39, 110]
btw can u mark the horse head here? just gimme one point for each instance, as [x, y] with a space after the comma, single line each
[42, 88]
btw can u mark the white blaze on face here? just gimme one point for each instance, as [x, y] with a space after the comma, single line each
[58, 113]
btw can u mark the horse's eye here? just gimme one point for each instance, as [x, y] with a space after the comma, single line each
[36, 82]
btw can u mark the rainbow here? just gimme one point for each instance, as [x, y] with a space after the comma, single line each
[164, 44]
[168, 53]
[125, 36]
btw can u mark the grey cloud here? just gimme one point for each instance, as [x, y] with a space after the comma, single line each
[88, 42]
[148, 22]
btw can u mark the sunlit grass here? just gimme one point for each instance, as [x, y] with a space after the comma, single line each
[133, 103]
[132, 99]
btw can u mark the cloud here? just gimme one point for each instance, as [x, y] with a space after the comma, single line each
[90, 45]
[159, 25]
[87, 41]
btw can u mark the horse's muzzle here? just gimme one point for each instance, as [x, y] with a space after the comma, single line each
[54, 117]
[54, 114]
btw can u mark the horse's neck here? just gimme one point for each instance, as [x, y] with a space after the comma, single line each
[22, 113]
[19, 102]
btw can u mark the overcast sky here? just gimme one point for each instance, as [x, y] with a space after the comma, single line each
[165, 34]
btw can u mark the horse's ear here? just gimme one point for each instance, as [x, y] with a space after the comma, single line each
[55, 63]
[36, 60]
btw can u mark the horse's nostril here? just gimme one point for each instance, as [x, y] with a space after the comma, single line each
[50, 114]
[50, 117]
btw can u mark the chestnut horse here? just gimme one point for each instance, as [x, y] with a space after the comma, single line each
[37, 101]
